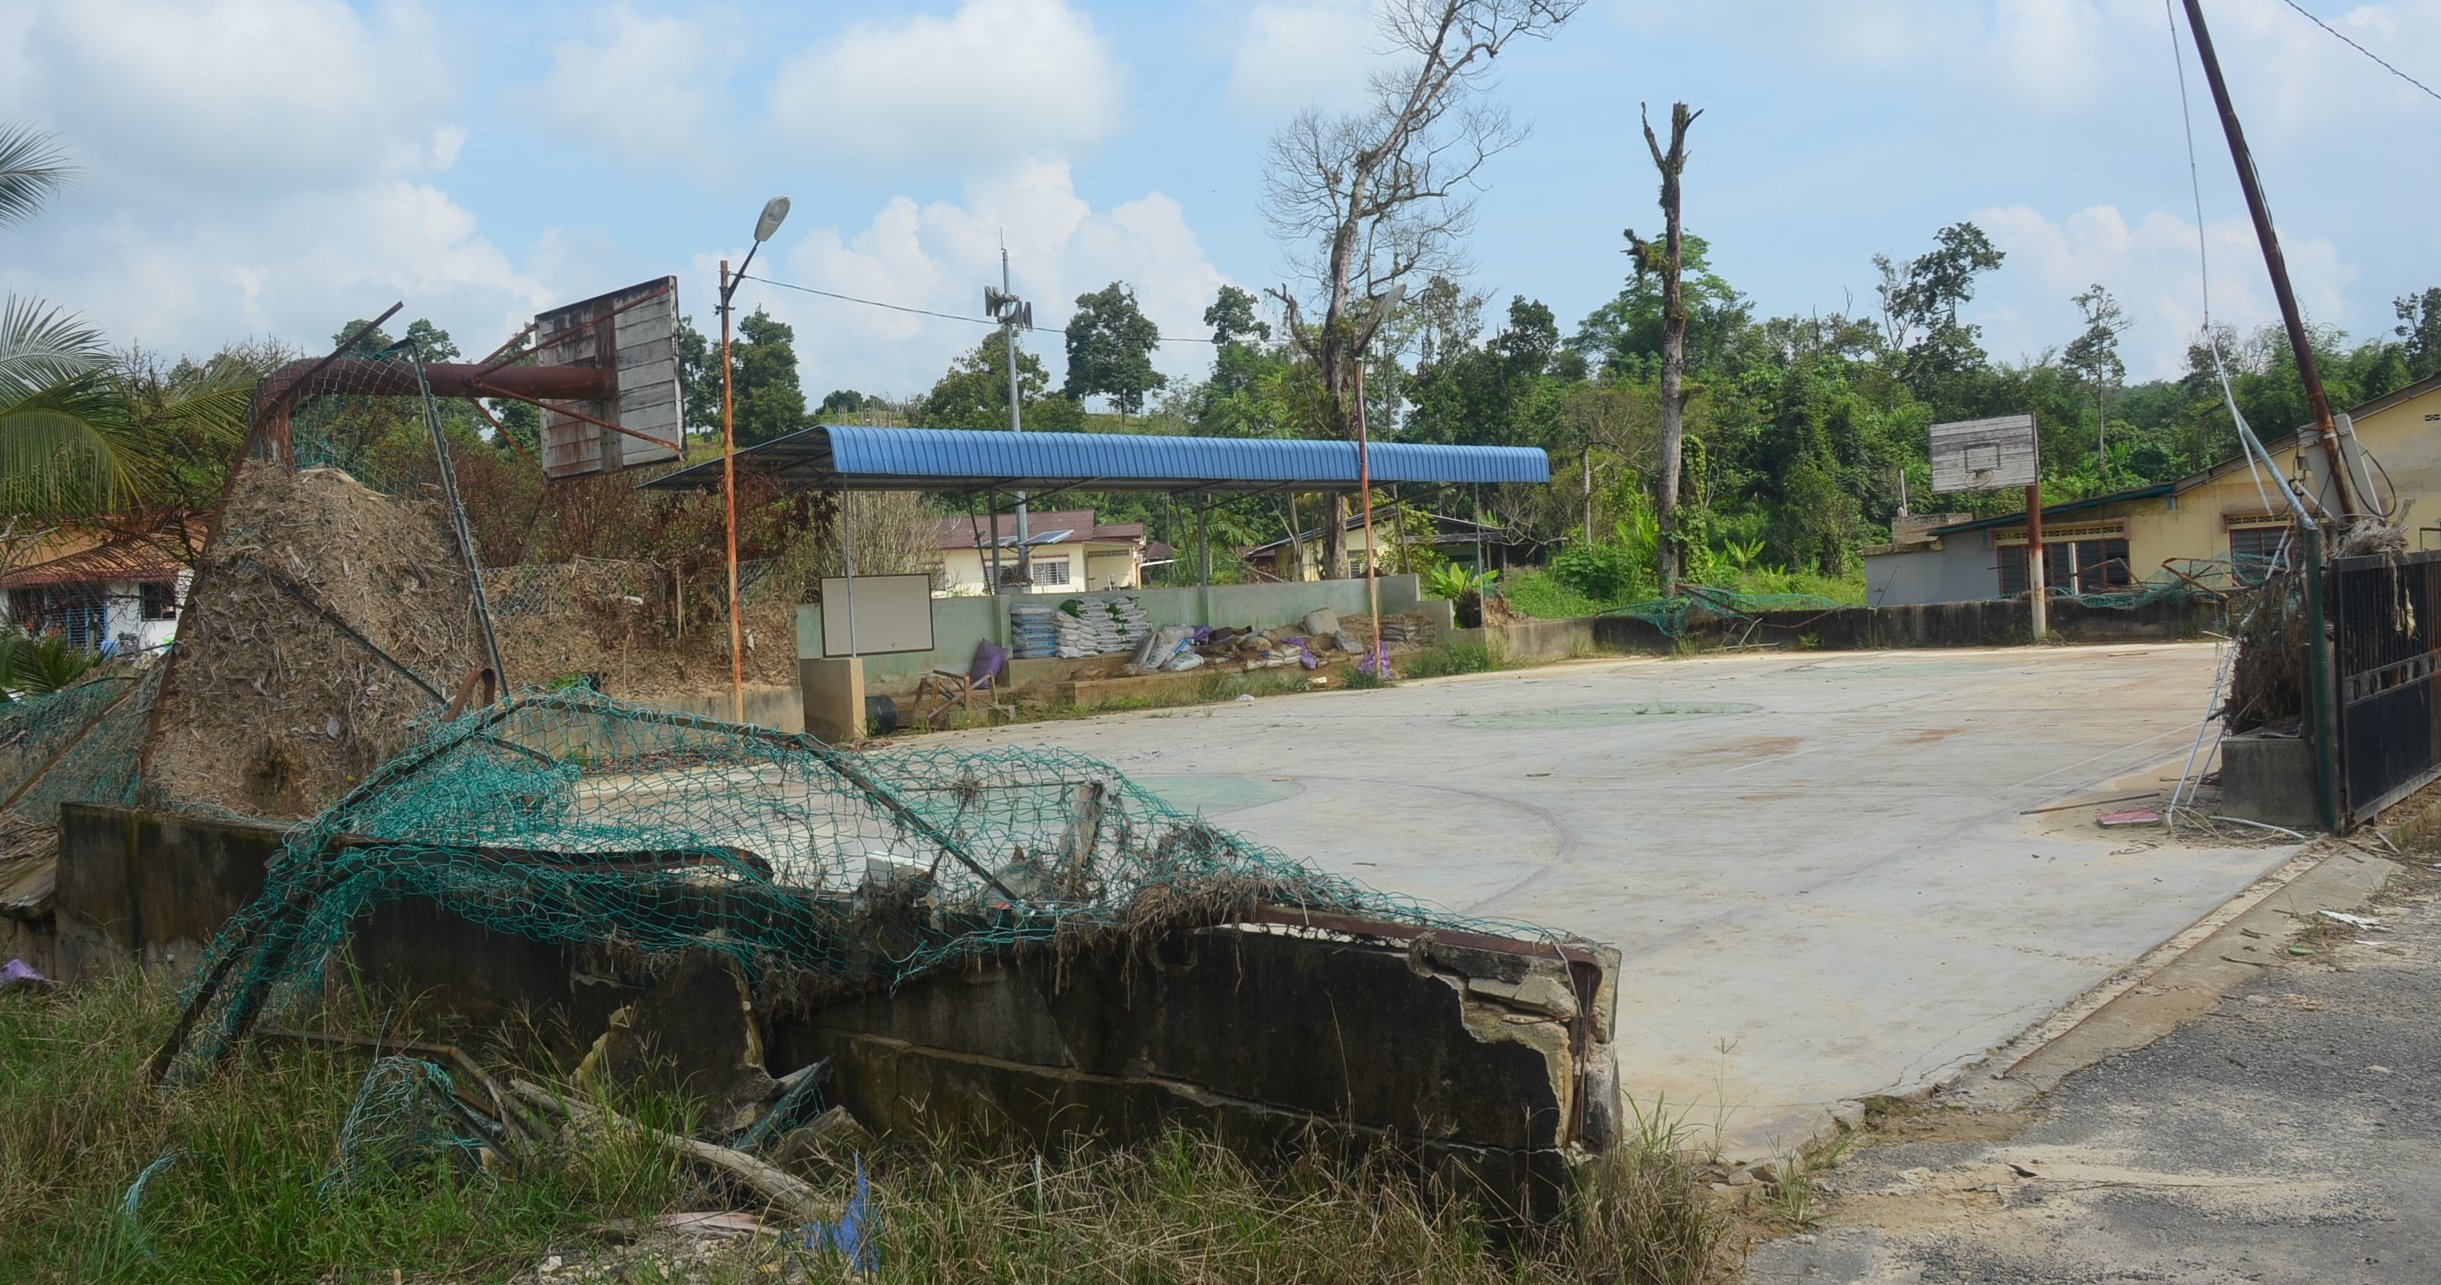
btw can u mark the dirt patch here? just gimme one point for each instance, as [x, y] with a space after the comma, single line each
[624, 625]
[278, 698]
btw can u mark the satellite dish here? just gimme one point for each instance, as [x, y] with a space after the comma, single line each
[775, 211]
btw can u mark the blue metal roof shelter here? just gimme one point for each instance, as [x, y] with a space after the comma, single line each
[860, 457]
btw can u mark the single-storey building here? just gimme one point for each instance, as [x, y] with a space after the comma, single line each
[1454, 538]
[2224, 522]
[102, 591]
[1070, 552]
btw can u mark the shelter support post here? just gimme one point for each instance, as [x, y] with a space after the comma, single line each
[2038, 591]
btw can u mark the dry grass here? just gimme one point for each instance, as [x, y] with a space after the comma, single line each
[245, 1202]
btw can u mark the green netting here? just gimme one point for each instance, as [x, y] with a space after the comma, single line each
[78, 745]
[569, 818]
[406, 1115]
[1701, 605]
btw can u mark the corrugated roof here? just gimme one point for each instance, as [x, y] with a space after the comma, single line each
[863, 457]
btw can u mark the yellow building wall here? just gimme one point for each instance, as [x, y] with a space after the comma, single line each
[2194, 524]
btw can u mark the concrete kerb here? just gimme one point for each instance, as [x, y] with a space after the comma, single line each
[2177, 980]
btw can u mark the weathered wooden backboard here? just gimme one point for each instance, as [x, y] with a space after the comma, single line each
[891, 614]
[1984, 454]
[634, 333]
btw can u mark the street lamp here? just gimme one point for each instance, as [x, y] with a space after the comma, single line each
[775, 211]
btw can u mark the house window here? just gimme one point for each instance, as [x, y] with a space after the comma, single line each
[2090, 565]
[76, 612]
[1050, 571]
[2255, 552]
[157, 600]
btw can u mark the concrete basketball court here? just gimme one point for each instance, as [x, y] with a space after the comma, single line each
[1815, 863]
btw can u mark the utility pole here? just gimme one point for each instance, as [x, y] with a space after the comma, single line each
[2326, 430]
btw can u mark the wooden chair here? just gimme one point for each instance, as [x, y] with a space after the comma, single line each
[973, 689]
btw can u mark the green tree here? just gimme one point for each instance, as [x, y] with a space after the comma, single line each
[2093, 356]
[1233, 320]
[763, 374]
[698, 381]
[1110, 349]
[974, 392]
[1624, 335]
[1920, 301]
[430, 340]
[2419, 330]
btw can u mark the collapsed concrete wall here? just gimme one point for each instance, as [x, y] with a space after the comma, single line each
[1490, 1061]
[1487, 1058]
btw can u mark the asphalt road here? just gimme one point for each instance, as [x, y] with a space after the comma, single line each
[2291, 1134]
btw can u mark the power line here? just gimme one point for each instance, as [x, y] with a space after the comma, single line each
[2336, 34]
[948, 316]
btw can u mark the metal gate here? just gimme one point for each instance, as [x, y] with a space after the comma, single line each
[2385, 615]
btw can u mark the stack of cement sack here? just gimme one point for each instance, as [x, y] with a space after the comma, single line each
[1171, 647]
[1098, 626]
[1034, 633]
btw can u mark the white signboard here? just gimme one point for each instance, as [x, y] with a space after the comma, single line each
[890, 614]
[634, 334]
[1984, 454]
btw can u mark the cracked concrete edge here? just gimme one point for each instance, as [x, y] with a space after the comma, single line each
[2174, 982]
[2184, 977]
[2138, 1003]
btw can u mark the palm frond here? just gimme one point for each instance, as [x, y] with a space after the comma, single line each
[41, 346]
[32, 167]
[71, 450]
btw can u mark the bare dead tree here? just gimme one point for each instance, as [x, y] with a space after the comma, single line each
[1370, 197]
[1669, 259]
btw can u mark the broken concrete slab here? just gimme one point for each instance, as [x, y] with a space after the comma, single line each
[695, 1032]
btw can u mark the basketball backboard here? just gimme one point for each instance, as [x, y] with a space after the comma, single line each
[634, 333]
[1984, 454]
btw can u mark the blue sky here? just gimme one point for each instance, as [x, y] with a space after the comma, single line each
[269, 168]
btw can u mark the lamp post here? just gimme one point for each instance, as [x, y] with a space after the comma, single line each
[774, 211]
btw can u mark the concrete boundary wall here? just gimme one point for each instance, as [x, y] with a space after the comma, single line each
[960, 623]
[1949, 624]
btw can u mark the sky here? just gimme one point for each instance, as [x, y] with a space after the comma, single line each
[255, 169]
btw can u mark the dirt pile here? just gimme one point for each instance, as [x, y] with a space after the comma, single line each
[279, 697]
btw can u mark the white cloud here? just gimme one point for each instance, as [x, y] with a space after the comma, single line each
[250, 168]
[645, 88]
[995, 78]
[279, 94]
[1293, 56]
[2079, 57]
[941, 255]
[2151, 266]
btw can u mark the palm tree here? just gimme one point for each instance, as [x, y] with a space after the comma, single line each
[83, 434]
[31, 168]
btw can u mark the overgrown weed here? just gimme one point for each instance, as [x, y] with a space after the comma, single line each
[247, 1201]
